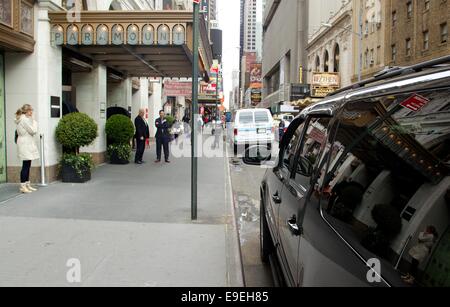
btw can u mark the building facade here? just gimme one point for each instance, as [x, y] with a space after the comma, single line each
[285, 39]
[58, 57]
[330, 49]
[369, 19]
[416, 31]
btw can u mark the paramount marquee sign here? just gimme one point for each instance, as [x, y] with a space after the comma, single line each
[119, 34]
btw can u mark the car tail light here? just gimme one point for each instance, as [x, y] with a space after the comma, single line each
[235, 132]
[285, 129]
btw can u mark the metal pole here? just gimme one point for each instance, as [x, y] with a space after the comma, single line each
[360, 41]
[195, 115]
[43, 184]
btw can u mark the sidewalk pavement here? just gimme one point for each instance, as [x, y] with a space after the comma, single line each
[129, 226]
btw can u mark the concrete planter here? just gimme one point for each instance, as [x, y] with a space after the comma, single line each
[70, 175]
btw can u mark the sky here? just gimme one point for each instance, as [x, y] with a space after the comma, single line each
[229, 22]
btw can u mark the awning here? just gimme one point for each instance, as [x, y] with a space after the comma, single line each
[135, 43]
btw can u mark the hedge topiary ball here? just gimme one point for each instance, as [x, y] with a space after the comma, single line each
[76, 130]
[119, 129]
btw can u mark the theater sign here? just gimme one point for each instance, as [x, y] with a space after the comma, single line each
[324, 84]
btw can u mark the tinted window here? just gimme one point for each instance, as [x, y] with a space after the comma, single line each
[288, 154]
[387, 186]
[246, 118]
[261, 117]
[312, 146]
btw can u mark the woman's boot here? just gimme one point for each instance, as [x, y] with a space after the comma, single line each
[29, 187]
[24, 189]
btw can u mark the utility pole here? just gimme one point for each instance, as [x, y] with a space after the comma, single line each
[194, 123]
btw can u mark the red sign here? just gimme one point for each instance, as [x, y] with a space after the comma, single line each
[415, 103]
[177, 89]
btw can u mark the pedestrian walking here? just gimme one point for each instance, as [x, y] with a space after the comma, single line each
[162, 137]
[141, 136]
[27, 128]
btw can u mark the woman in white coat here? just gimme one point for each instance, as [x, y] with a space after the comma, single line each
[27, 149]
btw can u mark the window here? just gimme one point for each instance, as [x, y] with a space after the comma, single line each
[385, 185]
[372, 56]
[288, 154]
[394, 53]
[326, 61]
[444, 33]
[394, 18]
[312, 146]
[426, 40]
[378, 54]
[408, 47]
[246, 118]
[261, 117]
[409, 9]
[336, 58]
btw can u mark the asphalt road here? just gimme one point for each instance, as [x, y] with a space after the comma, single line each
[246, 182]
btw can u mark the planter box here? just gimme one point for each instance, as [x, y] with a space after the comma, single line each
[70, 175]
[115, 160]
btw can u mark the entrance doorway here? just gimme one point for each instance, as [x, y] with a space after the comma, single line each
[3, 168]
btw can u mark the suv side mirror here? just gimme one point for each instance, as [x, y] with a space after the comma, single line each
[304, 167]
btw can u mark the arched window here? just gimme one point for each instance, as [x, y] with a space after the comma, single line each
[326, 62]
[336, 58]
[317, 63]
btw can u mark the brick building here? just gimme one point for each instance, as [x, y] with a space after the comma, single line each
[416, 31]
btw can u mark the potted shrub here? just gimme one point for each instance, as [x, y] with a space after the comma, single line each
[120, 132]
[76, 130]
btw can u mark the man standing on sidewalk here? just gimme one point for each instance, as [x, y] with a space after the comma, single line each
[142, 134]
[162, 137]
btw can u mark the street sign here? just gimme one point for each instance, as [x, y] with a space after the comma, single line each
[415, 103]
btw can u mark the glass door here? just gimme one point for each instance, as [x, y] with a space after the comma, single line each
[2, 122]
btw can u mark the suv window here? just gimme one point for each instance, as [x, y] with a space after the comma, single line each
[312, 146]
[387, 186]
[246, 118]
[288, 154]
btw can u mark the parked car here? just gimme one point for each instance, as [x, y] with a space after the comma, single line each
[252, 127]
[361, 179]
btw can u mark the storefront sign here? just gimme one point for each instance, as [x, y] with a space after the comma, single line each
[256, 96]
[118, 34]
[324, 84]
[55, 107]
[177, 89]
[133, 35]
[256, 75]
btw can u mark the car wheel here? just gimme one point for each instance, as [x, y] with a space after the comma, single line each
[265, 237]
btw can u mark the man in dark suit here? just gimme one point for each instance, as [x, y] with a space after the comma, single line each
[162, 137]
[142, 134]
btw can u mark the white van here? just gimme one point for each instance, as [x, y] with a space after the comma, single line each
[253, 127]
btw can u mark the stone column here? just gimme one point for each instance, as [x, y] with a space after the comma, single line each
[91, 98]
[34, 79]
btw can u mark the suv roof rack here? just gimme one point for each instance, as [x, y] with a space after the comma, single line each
[391, 72]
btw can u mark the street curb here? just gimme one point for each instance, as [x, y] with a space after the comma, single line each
[237, 279]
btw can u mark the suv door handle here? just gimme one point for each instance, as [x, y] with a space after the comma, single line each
[293, 227]
[276, 198]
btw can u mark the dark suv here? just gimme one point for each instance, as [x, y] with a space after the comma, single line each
[360, 192]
